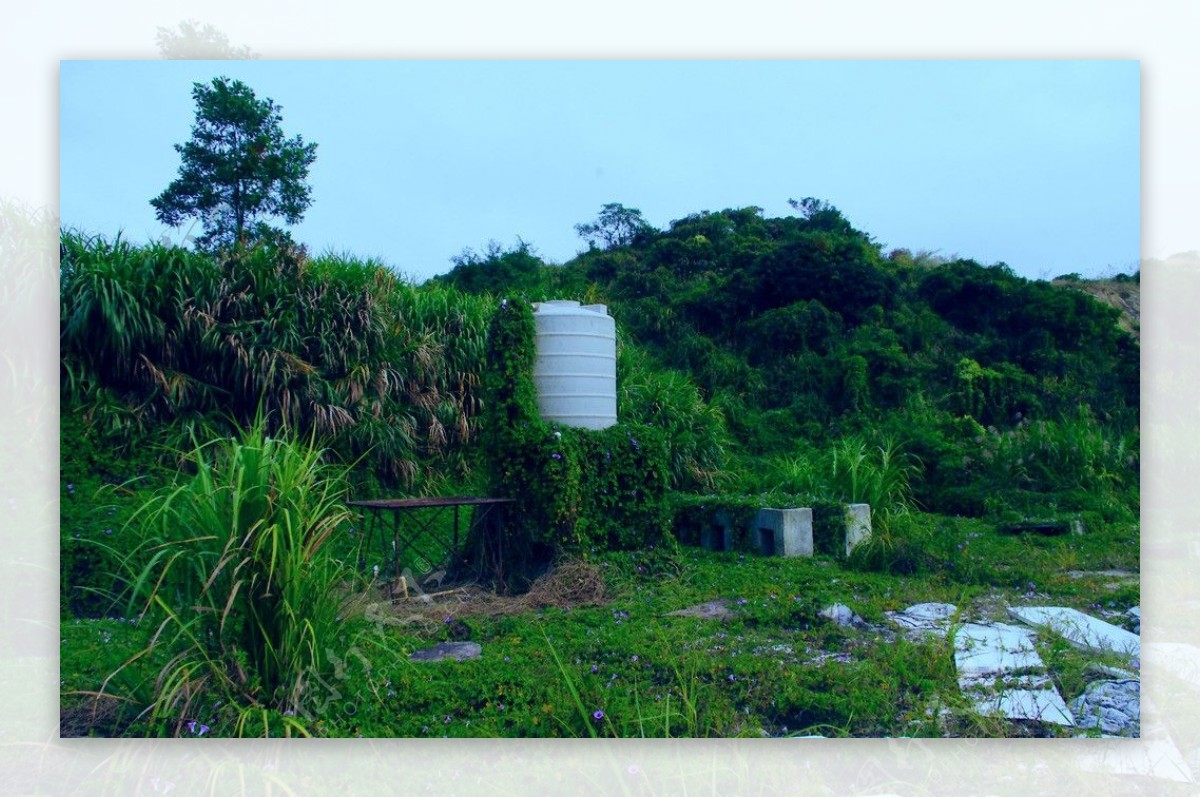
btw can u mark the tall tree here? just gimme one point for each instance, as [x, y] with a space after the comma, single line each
[616, 226]
[238, 170]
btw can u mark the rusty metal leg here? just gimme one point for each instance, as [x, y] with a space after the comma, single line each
[396, 543]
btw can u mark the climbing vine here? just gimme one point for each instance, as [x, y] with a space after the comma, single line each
[576, 490]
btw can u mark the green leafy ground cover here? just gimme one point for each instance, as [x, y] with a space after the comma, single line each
[775, 667]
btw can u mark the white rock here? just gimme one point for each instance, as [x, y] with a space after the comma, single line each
[841, 615]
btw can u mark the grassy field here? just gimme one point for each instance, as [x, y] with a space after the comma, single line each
[593, 650]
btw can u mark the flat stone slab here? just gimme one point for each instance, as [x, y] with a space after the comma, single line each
[1081, 630]
[458, 651]
[713, 610]
[928, 618]
[1000, 669]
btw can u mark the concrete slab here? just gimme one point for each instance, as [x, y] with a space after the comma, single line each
[989, 650]
[1081, 630]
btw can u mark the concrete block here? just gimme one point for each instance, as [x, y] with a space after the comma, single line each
[784, 532]
[718, 535]
[858, 525]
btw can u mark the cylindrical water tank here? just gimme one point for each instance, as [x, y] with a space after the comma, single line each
[576, 368]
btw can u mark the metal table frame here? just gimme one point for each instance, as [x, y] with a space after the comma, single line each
[373, 510]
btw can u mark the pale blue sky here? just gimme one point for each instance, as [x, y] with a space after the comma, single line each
[1034, 163]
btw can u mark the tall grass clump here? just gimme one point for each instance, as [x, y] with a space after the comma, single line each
[880, 476]
[850, 471]
[236, 581]
[342, 347]
[1073, 453]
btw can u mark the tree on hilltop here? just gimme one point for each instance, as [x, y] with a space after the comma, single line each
[238, 170]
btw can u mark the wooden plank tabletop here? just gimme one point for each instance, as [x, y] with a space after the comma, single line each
[425, 501]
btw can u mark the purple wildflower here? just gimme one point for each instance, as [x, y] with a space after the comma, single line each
[595, 669]
[598, 714]
[198, 729]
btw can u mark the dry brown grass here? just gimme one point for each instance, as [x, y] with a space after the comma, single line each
[569, 584]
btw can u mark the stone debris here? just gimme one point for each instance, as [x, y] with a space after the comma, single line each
[712, 610]
[1135, 619]
[923, 619]
[1114, 707]
[1110, 572]
[841, 658]
[1000, 669]
[458, 651]
[1082, 631]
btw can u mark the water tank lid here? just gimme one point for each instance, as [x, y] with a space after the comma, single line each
[567, 306]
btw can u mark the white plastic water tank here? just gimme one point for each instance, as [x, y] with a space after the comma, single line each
[576, 368]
